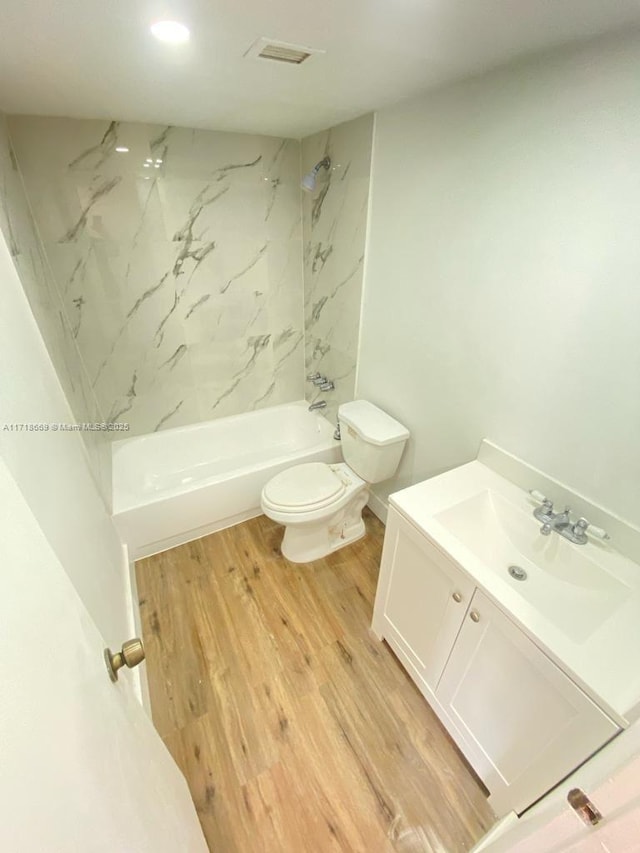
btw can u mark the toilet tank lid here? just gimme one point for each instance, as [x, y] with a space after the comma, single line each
[371, 423]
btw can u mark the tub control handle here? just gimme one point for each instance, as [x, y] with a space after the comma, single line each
[313, 376]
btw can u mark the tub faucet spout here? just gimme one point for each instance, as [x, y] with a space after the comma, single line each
[319, 404]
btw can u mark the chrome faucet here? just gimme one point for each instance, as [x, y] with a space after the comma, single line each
[317, 378]
[557, 521]
[319, 404]
[321, 382]
[575, 532]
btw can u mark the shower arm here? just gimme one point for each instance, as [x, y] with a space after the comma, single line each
[324, 163]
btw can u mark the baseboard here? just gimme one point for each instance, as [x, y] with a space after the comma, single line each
[196, 533]
[496, 831]
[378, 507]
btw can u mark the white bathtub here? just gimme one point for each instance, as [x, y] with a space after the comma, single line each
[179, 484]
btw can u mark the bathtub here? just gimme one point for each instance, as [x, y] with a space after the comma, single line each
[179, 484]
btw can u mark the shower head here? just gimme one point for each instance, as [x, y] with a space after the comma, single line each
[308, 182]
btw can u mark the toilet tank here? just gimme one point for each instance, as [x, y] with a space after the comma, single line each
[372, 441]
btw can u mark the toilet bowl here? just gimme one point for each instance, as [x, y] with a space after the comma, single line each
[321, 505]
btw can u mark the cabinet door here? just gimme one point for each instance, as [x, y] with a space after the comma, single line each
[524, 723]
[421, 600]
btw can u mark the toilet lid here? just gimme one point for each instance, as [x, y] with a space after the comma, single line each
[304, 487]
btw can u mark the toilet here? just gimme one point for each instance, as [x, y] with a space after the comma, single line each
[319, 504]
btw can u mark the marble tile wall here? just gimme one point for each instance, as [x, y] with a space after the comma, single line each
[178, 263]
[334, 227]
[21, 234]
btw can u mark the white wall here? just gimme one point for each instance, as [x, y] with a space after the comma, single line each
[502, 292]
[51, 467]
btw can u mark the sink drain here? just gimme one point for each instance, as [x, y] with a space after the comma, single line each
[517, 573]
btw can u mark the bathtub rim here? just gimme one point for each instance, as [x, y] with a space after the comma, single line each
[229, 419]
[326, 440]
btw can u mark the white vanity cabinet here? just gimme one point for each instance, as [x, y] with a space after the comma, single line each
[521, 722]
[426, 597]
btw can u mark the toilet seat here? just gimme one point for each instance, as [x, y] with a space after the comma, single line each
[320, 507]
[304, 488]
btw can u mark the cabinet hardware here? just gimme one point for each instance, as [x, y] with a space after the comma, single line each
[474, 616]
[583, 807]
[457, 597]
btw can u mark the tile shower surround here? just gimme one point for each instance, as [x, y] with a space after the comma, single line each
[21, 234]
[334, 227]
[184, 289]
[178, 263]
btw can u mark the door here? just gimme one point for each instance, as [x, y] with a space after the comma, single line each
[81, 768]
[421, 599]
[611, 780]
[524, 723]
[617, 802]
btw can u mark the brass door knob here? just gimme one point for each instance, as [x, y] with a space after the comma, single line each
[457, 597]
[131, 654]
[474, 616]
[584, 808]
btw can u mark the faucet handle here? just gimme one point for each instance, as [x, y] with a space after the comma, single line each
[544, 512]
[312, 376]
[591, 529]
[319, 380]
[538, 496]
[547, 503]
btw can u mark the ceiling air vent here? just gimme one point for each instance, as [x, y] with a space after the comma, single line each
[283, 54]
[280, 51]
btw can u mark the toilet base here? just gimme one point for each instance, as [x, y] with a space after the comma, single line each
[306, 542]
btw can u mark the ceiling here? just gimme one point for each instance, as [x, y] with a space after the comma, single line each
[97, 58]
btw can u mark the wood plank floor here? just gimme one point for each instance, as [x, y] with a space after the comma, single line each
[295, 728]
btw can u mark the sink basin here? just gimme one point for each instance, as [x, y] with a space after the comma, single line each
[564, 582]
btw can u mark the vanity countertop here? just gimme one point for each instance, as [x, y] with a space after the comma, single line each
[579, 603]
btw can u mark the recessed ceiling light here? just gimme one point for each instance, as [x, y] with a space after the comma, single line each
[122, 149]
[170, 31]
